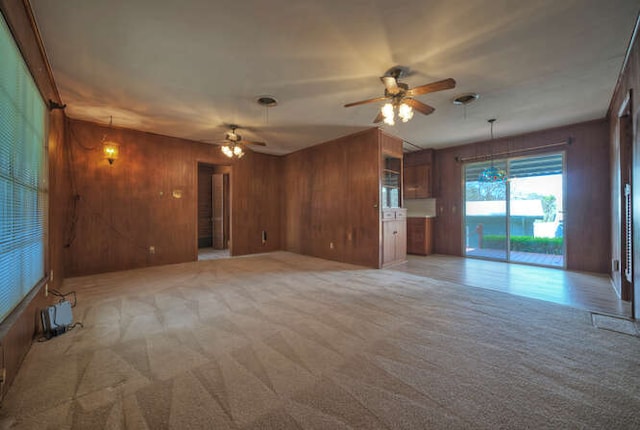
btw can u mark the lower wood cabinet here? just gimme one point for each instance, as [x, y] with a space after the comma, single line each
[420, 236]
[394, 236]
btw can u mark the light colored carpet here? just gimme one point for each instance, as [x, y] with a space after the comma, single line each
[282, 341]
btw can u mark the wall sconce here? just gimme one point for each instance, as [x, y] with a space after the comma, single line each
[110, 149]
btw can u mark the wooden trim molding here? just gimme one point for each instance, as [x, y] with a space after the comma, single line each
[21, 21]
[625, 62]
[514, 152]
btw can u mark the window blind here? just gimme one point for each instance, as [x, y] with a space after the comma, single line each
[521, 167]
[23, 174]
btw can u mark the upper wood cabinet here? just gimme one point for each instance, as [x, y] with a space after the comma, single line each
[417, 174]
[417, 182]
[391, 195]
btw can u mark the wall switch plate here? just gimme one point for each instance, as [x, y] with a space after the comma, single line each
[152, 250]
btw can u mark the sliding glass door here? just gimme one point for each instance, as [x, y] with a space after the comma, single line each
[514, 209]
[486, 211]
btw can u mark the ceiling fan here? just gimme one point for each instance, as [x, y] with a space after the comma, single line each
[232, 144]
[401, 98]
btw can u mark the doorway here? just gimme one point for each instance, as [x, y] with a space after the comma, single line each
[519, 219]
[214, 208]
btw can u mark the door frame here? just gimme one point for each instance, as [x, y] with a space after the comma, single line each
[628, 290]
[229, 168]
[507, 258]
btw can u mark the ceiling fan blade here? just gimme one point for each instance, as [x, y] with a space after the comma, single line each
[214, 142]
[445, 84]
[249, 142]
[419, 106]
[378, 118]
[361, 102]
[391, 84]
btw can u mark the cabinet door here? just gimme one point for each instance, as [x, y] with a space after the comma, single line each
[410, 182]
[428, 236]
[417, 182]
[427, 193]
[423, 181]
[388, 241]
[394, 237]
[401, 240]
[416, 236]
[420, 236]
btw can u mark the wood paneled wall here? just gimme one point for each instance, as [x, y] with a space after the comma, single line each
[148, 198]
[587, 217]
[629, 82]
[59, 197]
[256, 204]
[331, 199]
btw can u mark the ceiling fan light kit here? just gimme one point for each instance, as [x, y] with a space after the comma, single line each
[232, 150]
[233, 142]
[388, 114]
[405, 112]
[399, 98]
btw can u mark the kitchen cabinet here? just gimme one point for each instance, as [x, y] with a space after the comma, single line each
[419, 235]
[417, 182]
[417, 174]
[394, 236]
[391, 181]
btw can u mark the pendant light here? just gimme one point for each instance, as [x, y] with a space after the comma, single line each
[492, 173]
[110, 149]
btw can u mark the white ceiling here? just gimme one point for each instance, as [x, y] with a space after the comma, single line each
[184, 68]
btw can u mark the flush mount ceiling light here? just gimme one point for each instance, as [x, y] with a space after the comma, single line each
[267, 101]
[465, 99]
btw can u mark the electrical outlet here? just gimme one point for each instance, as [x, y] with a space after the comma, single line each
[330, 245]
[152, 249]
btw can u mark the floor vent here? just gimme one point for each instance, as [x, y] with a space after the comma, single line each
[617, 324]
